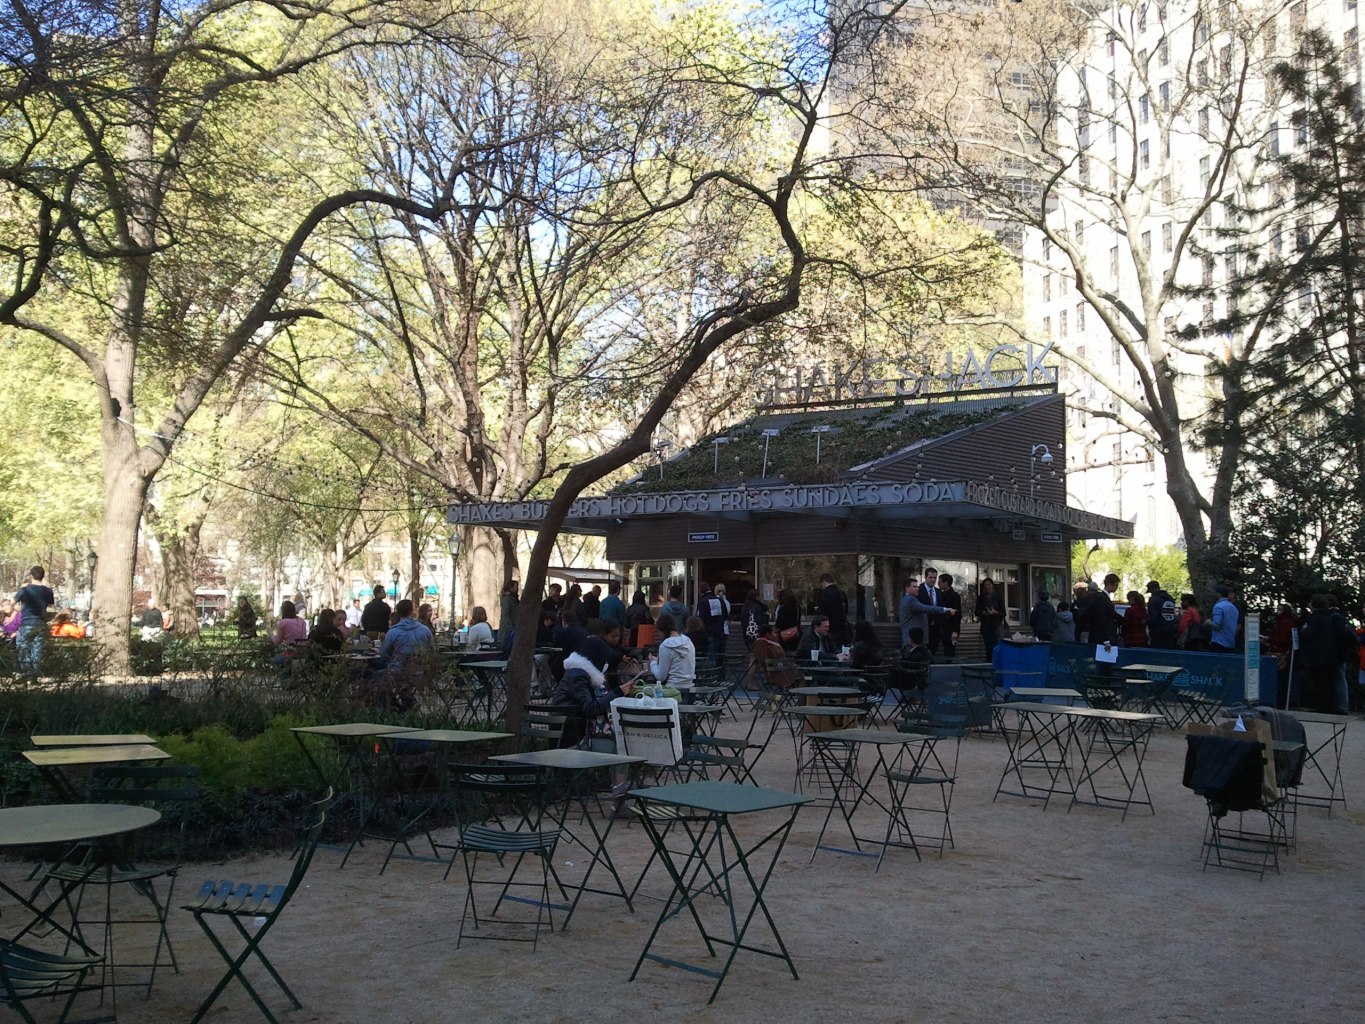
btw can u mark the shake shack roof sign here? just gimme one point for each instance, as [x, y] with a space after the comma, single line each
[1006, 366]
[951, 498]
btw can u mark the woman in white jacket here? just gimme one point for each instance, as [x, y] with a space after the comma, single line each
[676, 664]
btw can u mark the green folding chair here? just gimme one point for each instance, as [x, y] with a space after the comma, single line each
[260, 903]
[27, 973]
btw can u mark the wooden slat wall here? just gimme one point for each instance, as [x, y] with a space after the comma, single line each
[999, 449]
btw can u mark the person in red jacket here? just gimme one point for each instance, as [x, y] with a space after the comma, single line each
[1135, 621]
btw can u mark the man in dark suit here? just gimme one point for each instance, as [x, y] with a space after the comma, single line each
[943, 629]
[833, 605]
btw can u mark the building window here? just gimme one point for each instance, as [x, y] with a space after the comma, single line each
[1167, 241]
[1112, 43]
[1047, 326]
[1203, 172]
[1201, 33]
[1080, 317]
[1208, 313]
[1296, 13]
[1204, 120]
[1080, 233]
[1301, 235]
[1274, 138]
[1208, 272]
[1144, 155]
[1277, 241]
[1142, 18]
[1164, 91]
[1144, 108]
[1164, 52]
[1147, 244]
[1114, 262]
[1047, 248]
[1300, 120]
[1113, 133]
[1047, 287]
[1061, 324]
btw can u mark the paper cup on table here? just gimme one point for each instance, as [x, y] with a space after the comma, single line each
[815, 655]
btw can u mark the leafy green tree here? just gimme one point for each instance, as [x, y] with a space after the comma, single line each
[141, 169]
[1293, 396]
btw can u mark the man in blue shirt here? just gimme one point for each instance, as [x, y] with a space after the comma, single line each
[1225, 617]
[34, 600]
[612, 606]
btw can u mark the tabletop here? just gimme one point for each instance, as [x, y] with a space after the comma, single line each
[452, 736]
[826, 711]
[825, 691]
[499, 664]
[56, 757]
[94, 740]
[70, 823]
[354, 730]
[1046, 691]
[828, 668]
[880, 737]
[1149, 668]
[1321, 718]
[569, 759]
[720, 797]
[1070, 712]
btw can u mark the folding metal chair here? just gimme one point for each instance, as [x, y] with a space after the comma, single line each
[261, 904]
[543, 728]
[500, 811]
[932, 770]
[27, 973]
[169, 789]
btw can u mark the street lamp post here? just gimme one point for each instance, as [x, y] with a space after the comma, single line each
[91, 560]
[454, 545]
[395, 577]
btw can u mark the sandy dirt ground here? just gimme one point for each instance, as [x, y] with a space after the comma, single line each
[1037, 916]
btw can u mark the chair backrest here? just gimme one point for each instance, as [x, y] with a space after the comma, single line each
[650, 733]
[645, 635]
[171, 789]
[498, 791]
[946, 706]
[308, 845]
[544, 726]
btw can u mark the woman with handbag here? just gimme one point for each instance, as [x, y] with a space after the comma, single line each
[788, 621]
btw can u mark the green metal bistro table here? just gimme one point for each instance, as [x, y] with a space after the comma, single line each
[392, 774]
[836, 753]
[130, 739]
[1107, 762]
[492, 676]
[578, 767]
[357, 773]
[70, 827]
[714, 849]
[56, 763]
[1323, 761]
[1049, 695]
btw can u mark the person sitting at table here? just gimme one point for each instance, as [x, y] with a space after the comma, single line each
[676, 664]
[867, 649]
[769, 659]
[637, 615]
[325, 637]
[288, 631]
[583, 692]
[374, 617]
[916, 659]
[246, 619]
[405, 638]
[695, 631]
[620, 660]
[817, 639]
[63, 625]
[480, 632]
[568, 638]
[424, 617]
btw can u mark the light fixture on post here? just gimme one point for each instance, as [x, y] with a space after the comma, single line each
[716, 442]
[91, 560]
[768, 435]
[819, 433]
[455, 545]
[395, 577]
[1038, 453]
[659, 450]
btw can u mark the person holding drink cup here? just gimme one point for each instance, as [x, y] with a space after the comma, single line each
[817, 641]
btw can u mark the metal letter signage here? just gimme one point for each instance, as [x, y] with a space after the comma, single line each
[703, 538]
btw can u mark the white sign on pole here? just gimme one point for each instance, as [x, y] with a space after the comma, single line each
[1253, 658]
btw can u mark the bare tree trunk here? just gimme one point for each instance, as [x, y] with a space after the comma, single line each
[125, 490]
[415, 567]
[484, 567]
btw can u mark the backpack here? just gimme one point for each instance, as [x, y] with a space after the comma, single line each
[1199, 635]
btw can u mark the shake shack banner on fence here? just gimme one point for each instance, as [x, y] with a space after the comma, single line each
[922, 497]
[1006, 366]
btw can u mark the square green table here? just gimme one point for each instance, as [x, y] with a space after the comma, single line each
[836, 752]
[55, 763]
[129, 739]
[578, 766]
[1048, 737]
[357, 775]
[390, 770]
[1323, 756]
[713, 849]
